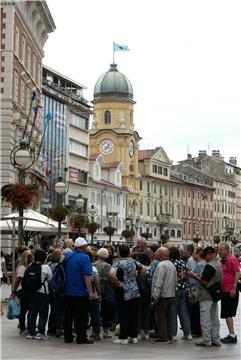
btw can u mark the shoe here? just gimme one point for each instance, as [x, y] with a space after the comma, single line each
[133, 340]
[58, 333]
[97, 337]
[202, 344]
[218, 344]
[121, 341]
[41, 337]
[187, 337]
[160, 341]
[229, 340]
[23, 332]
[86, 341]
[106, 336]
[173, 339]
[30, 336]
[146, 337]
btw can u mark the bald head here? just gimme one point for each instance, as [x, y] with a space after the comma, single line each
[162, 253]
[141, 244]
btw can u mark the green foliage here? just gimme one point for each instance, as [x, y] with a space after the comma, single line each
[58, 213]
[147, 235]
[128, 234]
[109, 230]
[92, 227]
[164, 238]
[79, 221]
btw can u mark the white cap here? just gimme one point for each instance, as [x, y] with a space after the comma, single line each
[80, 242]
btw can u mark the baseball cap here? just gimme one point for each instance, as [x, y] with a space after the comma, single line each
[208, 250]
[80, 242]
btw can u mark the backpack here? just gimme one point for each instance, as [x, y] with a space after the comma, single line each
[31, 280]
[57, 283]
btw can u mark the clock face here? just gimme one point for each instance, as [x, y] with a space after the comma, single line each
[106, 147]
[131, 148]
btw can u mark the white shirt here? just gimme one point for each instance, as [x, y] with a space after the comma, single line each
[46, 276]
[2, 261]
[20, 272]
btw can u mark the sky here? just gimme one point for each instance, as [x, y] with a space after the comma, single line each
[184, 65]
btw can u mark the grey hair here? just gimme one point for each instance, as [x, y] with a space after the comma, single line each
[225, 246]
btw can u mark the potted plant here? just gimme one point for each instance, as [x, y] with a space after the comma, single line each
[146, 235]
[109, 230]
[58, 213]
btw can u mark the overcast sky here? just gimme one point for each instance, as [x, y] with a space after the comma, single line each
[184, 65]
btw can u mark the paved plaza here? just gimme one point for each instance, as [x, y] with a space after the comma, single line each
[18, 347]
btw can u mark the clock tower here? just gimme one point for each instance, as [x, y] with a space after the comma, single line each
[113, 133]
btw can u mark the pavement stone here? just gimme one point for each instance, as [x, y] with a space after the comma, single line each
[18, 347]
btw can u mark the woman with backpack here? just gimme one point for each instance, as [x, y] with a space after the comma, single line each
[25, 260]
[56, 298]
[35, 281]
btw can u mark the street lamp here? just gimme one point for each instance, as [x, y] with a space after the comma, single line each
[22, 157]
[61, 188]
[110, 219]
[164, 220]
[92, 212]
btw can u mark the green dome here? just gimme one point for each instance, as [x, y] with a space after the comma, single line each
[112, 83]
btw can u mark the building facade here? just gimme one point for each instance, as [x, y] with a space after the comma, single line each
[66, 139]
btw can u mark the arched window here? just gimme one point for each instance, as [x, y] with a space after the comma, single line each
[107, 120]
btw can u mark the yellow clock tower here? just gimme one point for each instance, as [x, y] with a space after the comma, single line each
[113, 134]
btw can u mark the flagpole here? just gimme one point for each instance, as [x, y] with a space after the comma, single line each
[113, 54]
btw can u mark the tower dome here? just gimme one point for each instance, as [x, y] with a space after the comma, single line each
[113, 83]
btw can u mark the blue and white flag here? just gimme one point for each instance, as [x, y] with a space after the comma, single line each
[118, 47]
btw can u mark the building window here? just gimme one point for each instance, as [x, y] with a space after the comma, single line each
[140, 185]
[16, 45]
[159, 170]
[155, 210]
[34, 67]
[107, 119]
[154, 169]
[179, 233]
[154, 188]
[29, 59]
[148, 209]
[78, 149]
[172, 233]
[79, 122]
[148, 186]
[16, 84]
[23, 49]
[165, 172]
[22, 94]
[141, 208]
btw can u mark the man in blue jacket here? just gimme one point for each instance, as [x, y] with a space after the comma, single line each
[78, 292]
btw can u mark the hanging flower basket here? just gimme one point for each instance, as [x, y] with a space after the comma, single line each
[109, 230]
[92, 227]
[20, 197]
[217, 239]
[196, 240]
[58, 213]
[147, 235]
[128, 234]
[79, 221]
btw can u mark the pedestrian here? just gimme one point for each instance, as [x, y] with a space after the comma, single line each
[3, 273]
[108, 303]
[209, 319]
[78, 292]
[230, 298]
[164, 285]
[123, 273]
[39, 299]
[25, 260]
[179, 305]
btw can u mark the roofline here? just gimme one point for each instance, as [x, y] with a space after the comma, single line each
[64, 77]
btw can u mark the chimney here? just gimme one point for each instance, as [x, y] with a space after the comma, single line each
[216, 154]
[233, 160]
[202, 153]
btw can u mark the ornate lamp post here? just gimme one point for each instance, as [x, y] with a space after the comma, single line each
[110, 230]
[61, 188]
[92, 212]
[164, 220]
[22, 157]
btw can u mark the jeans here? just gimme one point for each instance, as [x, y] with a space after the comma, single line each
[95, 316]
[76, 308]
[128, 316]
[179, 308]
[209, 322]
[56, 312]
[24, 307]
[38, 305]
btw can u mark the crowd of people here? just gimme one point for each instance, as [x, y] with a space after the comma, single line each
[85, 294]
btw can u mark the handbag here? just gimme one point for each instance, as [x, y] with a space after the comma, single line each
[192, 297]
[215, 290]
[13, 310]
